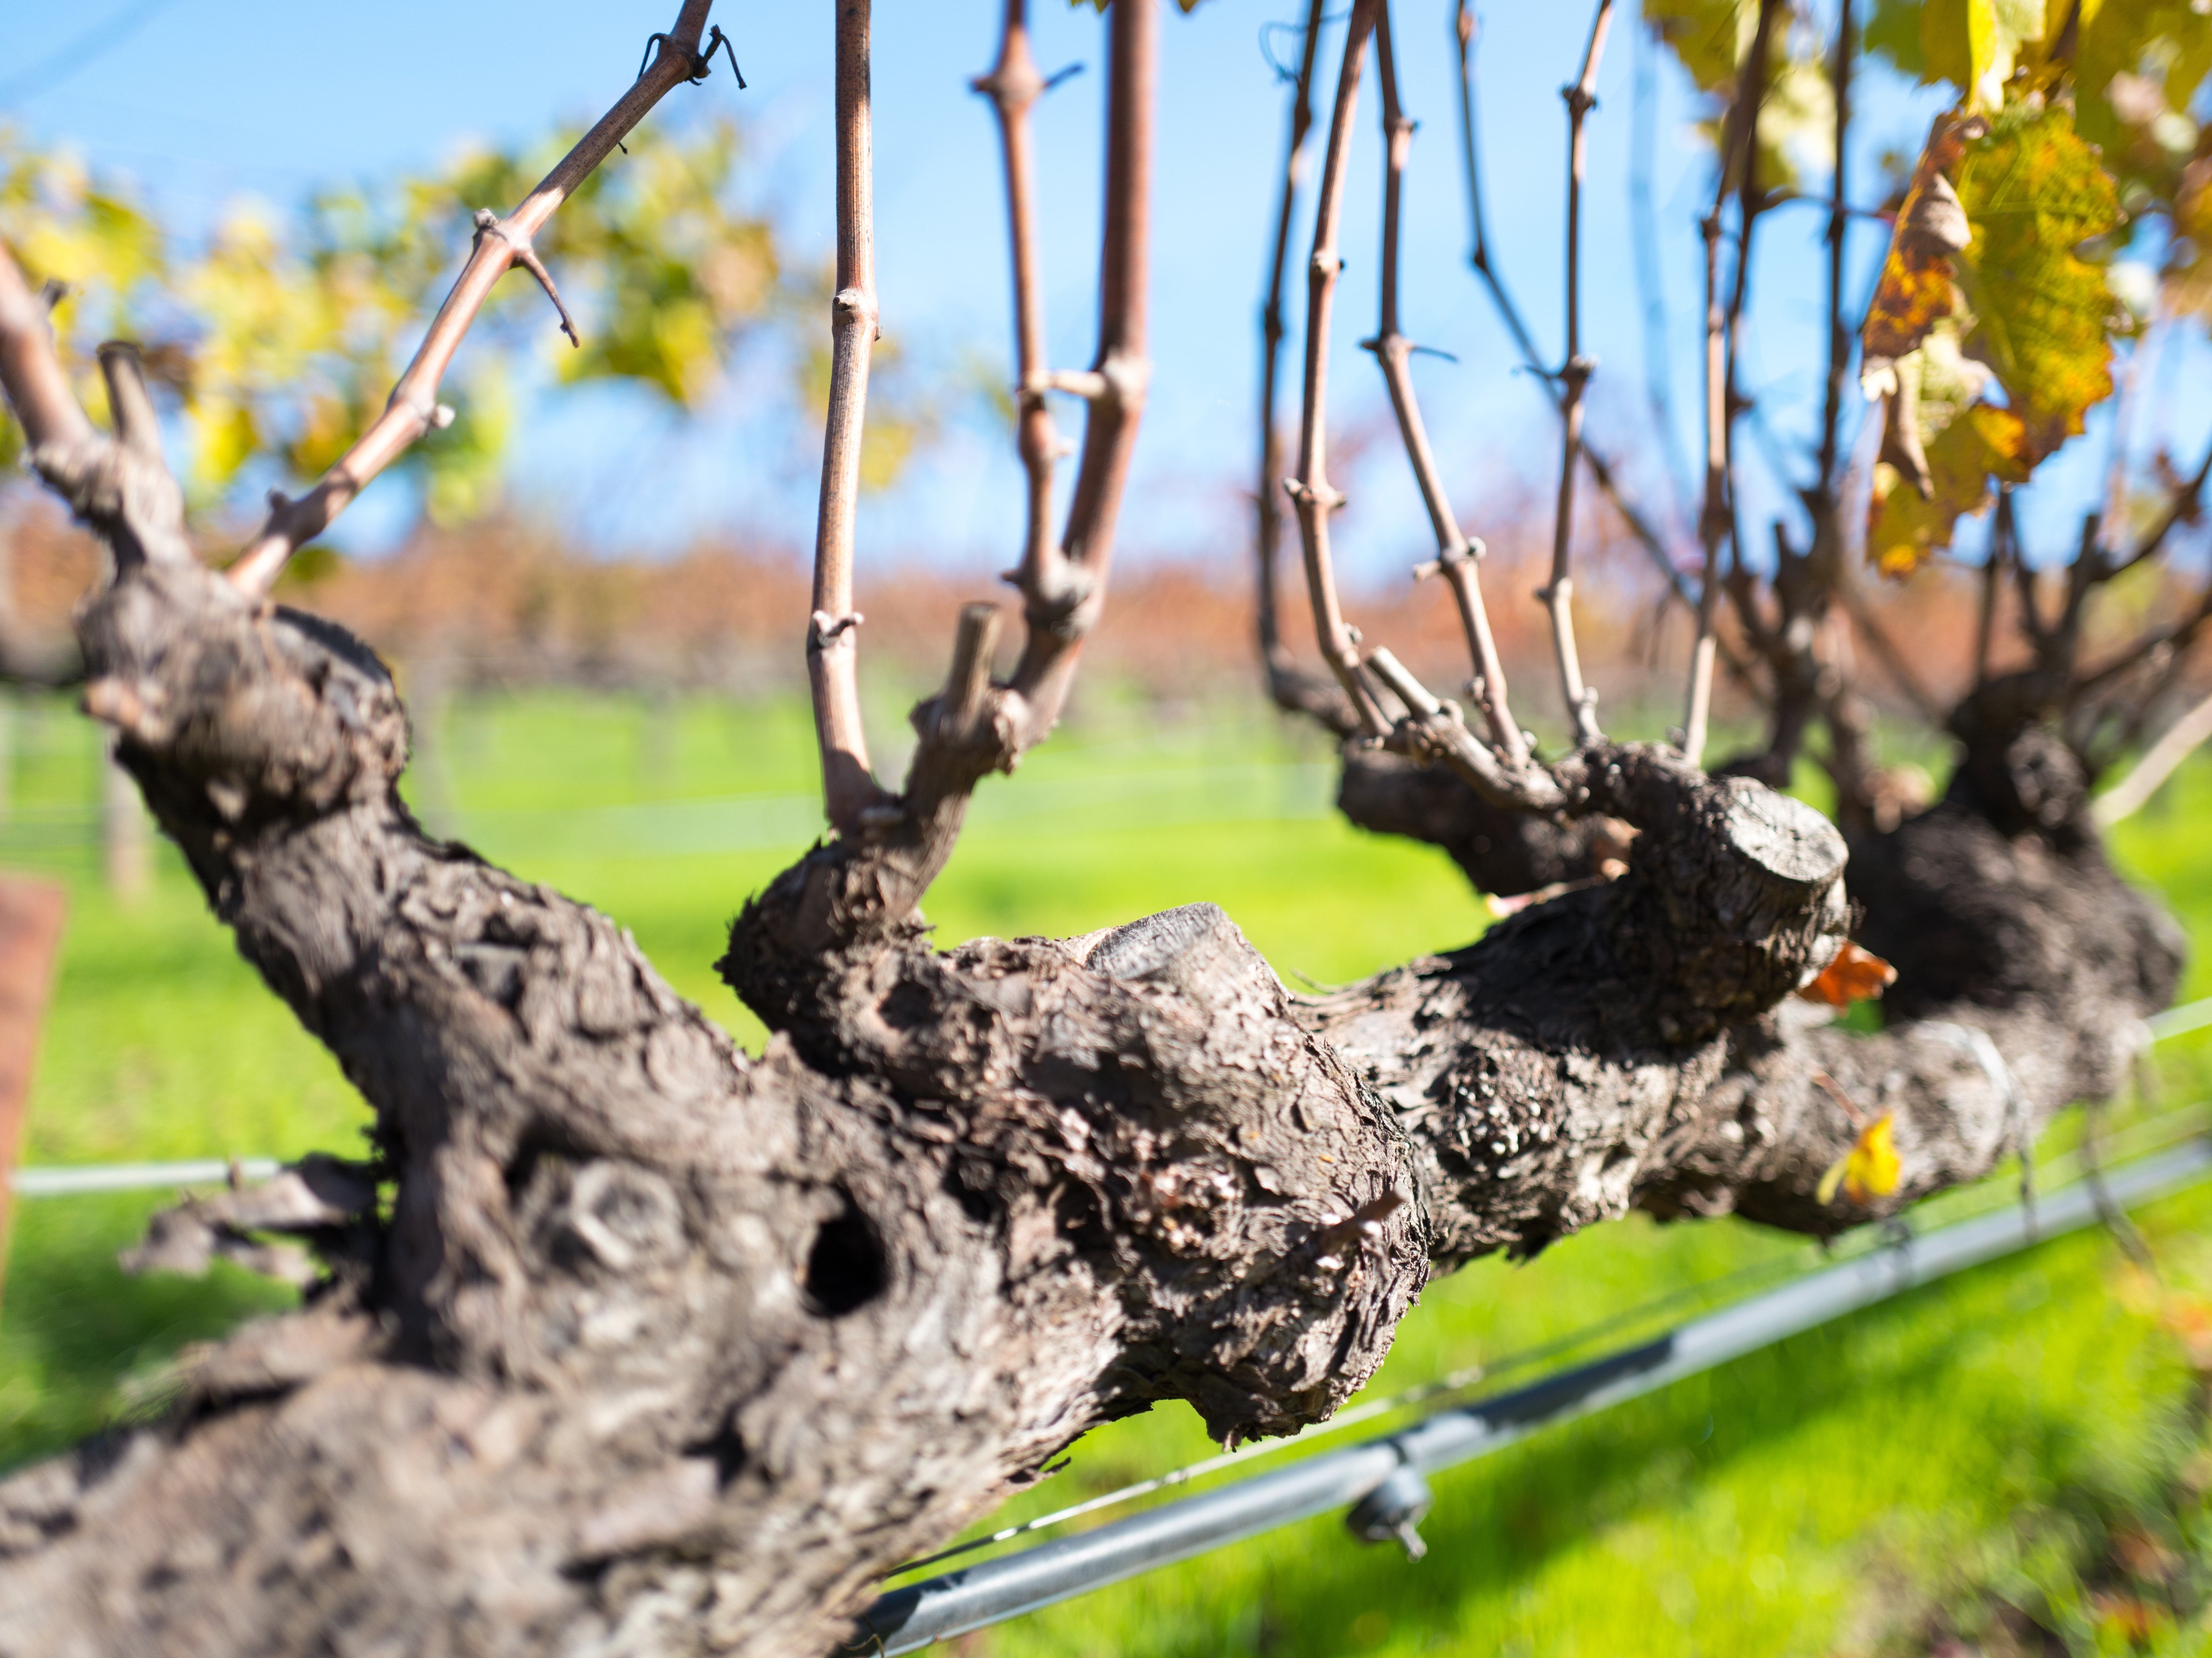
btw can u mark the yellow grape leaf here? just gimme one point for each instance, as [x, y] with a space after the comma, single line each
[1975, 44]
[2033, 191]
[1869, 1169]
[1906, 528]
[1983, 280]
[1854, 975]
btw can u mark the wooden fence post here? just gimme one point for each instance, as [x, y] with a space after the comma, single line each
[31, 916]
[126, 838]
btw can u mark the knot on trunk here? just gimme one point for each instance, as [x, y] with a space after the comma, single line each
[1735, 895]
[1501, 850]
[1971, 914]
[1138, 1108]
[2016, 770]
[232, 716]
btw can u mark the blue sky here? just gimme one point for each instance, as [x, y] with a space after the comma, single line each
[207, 100]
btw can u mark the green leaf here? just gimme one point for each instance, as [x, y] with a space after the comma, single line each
[1893, 32]
[1975, 44]
[1710, 36]
[2033, 191]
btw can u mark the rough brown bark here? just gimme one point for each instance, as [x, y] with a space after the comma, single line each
[631, 1343]
[1500, 849]
[661, 1348]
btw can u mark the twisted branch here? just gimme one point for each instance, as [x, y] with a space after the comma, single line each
[413, 408]
[1309, 490]
[1558, 594]
[1293, 689]
[1456, 557]
[849, 789]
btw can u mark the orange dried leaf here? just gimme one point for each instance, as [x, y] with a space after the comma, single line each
[1855, 975]
[1917, 289]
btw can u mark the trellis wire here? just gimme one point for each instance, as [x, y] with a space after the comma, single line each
[918, 1615]
[907, 1618]
[2149, 1135]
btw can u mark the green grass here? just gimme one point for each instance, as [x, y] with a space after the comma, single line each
[1817, 1497]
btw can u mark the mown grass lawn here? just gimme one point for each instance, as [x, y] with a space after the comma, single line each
[1822, 1496]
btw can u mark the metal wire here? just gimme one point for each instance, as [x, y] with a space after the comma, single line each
[918, 1615]
[1452, 1388]
[137, 1176]
[2138, 1139]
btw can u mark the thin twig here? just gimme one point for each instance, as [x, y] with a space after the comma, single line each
[413, 408]
[1310, 488]
[1794, 678]
[1985, 613]
[1602, 470]
[2187, 498]
[1061, 602]
[1839, 219]
[1644, 233]
[1714, 520]
[2004, 529]
[1456, 558]
[2128, 728]
[1743, 122]
[975, 725]
[2181, 739]
[1012, 86]
[1290, 686]
[2175, 637]
[848, 785]
[2134, 382]
[1558, 594]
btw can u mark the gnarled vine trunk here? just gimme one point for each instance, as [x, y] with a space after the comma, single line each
[630, 1342]
[656, 1347]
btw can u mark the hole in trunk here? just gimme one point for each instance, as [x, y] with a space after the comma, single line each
[845, 1268]
[728, 1448]
[978, 1199]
